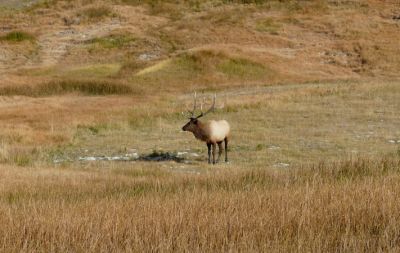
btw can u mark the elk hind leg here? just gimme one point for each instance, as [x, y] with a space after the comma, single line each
[226, 150]
[209, 152]
[219, 150]
[214, 147]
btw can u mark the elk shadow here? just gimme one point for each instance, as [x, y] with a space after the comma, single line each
[160, 156]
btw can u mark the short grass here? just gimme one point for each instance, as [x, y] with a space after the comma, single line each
[117, 41]
[96, 13]
[93, 71]
[271, 126]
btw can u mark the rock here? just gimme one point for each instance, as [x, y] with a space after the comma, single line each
[181, 153]
[147, 57]
[282, 165]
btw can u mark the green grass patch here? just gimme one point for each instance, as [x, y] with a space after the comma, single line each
[182, 69]
[94, 71]
[200, 67]
[17, 36]
[268, 25]
[242, 68]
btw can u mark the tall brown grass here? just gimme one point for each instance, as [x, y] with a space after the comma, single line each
[349, 206]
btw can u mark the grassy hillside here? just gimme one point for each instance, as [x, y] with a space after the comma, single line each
[92, 156]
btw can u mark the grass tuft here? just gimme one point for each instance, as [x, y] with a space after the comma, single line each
[112, 41]
[17, 36]
[96, 13]
[268, 25]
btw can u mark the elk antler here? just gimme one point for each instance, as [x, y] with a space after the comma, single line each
[209, 110]
[190, 113]
[194, 105]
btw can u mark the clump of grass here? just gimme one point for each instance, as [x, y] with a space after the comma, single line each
[58, 87]
[169, 7]
[96, 13]
[268, 25]
[17, 36]
[18, 156]
[97, 128]
[112, 41]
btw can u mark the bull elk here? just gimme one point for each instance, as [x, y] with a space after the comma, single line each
[211, 132]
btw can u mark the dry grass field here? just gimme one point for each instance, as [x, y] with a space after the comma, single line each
[93, 159]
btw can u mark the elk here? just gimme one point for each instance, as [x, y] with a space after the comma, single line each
[212, 132]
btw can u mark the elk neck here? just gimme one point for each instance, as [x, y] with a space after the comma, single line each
[200, 131]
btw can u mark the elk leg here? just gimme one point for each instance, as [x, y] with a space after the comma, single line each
[226, 150]
[214, 148]
[209, 152]
[219, 150]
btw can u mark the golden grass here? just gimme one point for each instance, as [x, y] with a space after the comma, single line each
[346, 206]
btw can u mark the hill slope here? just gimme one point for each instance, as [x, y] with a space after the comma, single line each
[286, 41]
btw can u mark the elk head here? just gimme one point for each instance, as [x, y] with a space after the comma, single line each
[193, 123]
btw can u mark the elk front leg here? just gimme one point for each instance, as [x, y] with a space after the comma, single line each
[214, 148]
[219, 150]
[209, 152]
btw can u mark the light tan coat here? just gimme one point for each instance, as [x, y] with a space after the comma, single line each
[212, 132]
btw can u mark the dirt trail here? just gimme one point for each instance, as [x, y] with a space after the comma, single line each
[253, 90]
